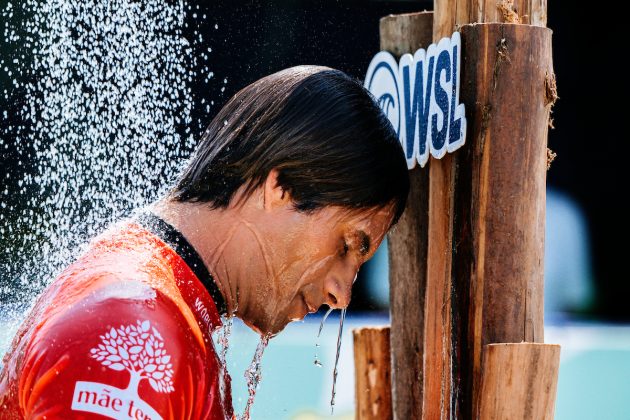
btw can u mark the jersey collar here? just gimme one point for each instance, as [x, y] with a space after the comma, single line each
[185, 250]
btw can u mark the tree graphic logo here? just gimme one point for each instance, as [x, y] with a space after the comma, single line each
[140, 350]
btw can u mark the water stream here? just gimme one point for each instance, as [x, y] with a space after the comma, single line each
[318, 362]
[253, 375]
[223, 337]
[342, 317]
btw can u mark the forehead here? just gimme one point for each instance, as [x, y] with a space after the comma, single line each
[374, 221]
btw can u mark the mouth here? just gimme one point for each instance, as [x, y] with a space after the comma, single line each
[306, 309]
[309, 308]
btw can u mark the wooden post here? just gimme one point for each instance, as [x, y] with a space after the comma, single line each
[466, 261]
[457, 252]
[500, 196]
[518, 381]
[408, 245]
[372, 365]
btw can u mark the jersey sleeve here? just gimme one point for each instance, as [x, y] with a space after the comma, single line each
[124, 350]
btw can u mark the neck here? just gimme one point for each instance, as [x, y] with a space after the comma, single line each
[212, 233]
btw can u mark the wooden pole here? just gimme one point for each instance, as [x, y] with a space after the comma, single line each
[458, 251]
[500, 196]
[408, 245]
[372, 365]
[518, 381]
[475, 218]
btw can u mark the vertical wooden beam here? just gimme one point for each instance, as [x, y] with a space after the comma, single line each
[460, 256]
[501, 189]
[437, 340]
[459, 218]
[408, 246]
[438, 361]
[372, 365]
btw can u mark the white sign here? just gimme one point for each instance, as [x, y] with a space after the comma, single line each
[420, 96]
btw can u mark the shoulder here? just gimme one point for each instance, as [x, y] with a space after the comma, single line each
[123, 334]
[124, 305]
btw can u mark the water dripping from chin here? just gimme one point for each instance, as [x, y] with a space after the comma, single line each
[253, 375]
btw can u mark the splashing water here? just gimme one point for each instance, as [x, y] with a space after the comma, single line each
[103, 117]
[253, 375]
[223, 337]
[317, 362]
[223, 340]
[342, 317]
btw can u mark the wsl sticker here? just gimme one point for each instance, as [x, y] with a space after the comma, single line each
[420, 96]
[139, 350]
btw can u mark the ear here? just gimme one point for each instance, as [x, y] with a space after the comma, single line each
[273, 194]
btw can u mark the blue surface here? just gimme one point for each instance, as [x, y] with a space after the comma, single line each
[594, 380]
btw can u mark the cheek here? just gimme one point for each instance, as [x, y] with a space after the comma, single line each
[309, 273]
[317, 243]
[308, 254]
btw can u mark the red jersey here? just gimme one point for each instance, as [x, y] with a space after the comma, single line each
[124, 333]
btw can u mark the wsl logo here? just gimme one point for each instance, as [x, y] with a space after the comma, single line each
[420, 96]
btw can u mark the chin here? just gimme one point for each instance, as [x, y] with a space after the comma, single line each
[273, 324]
[266, 326]
[256, 326]
[277, 327]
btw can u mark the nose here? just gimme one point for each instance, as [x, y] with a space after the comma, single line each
[338, 292]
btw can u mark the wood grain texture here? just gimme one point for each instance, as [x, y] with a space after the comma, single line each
[437, 327]
[453, 196]
[372, 365]
[408, 246]
[451, 14]
[405, 33]
[518, 381]
[437, 395]
[481, 223]
[500, 191]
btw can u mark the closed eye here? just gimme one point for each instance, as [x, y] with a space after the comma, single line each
[364, 242]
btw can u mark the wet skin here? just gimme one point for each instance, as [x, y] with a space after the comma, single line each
[274, 264]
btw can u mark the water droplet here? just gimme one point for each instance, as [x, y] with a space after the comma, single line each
[99, 107]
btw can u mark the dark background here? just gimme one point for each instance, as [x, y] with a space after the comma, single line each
[255, 38]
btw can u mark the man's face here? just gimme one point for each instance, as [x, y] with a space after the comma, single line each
[312, 259]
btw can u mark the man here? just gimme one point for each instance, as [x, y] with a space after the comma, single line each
[293, 186]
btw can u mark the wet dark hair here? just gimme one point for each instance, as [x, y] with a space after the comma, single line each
[320, 128]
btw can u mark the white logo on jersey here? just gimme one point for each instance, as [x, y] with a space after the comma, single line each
[138, 349]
